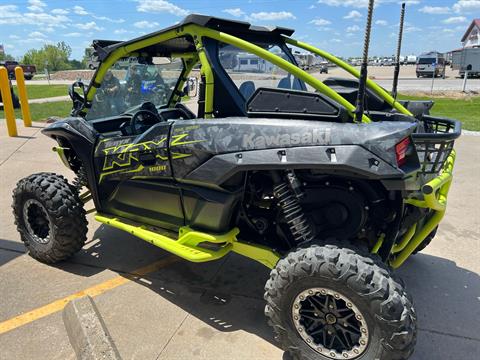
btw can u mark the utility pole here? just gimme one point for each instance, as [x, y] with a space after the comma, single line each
[434, 65]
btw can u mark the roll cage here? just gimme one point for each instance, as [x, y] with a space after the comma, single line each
[189, 40]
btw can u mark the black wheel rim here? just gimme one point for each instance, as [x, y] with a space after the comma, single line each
[330, 323]
[37, 221]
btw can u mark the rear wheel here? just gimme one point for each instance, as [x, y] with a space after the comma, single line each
[49, 216]
[333, 302]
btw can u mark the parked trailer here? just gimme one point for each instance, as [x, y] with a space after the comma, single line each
[410, 60]
[308, 61]
[456, 59]
[467, 59]
[245, 62]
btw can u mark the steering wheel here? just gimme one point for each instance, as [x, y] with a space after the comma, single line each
[144, 119]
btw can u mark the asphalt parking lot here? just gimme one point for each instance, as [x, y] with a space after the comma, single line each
[157, 306]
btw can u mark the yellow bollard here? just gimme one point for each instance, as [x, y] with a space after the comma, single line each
[7, 102]
[22, 94]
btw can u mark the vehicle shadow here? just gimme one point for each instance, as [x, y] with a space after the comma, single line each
[10, 250]
[228, 294]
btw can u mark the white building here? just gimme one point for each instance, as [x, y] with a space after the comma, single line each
[472, 35]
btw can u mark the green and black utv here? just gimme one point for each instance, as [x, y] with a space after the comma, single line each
[271, 165]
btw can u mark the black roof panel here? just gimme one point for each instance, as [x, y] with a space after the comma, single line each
[232, 27]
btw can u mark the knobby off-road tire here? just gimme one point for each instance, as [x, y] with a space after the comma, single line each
[352, 280]
[49, 216]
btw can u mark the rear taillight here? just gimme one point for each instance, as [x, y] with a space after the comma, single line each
[401, 150]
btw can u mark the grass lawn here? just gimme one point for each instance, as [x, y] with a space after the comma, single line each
[40, 112]
[467, 110]
[44, 91]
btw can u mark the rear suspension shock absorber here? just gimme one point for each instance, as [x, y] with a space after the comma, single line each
[287, 194]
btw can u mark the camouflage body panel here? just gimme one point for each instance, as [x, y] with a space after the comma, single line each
[221, 136]
[180, 147]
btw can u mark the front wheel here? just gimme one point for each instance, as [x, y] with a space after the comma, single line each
[49, 216]
[332, 302]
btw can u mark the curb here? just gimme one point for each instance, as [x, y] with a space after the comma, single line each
[87, 331]
[471, 132]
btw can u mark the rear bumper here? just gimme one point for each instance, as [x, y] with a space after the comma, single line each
[434, 197]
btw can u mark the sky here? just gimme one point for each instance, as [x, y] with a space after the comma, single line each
[333, 25]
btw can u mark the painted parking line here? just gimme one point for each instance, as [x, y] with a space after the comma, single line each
[95, 290]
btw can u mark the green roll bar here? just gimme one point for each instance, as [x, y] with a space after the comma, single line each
[124, 51]
[276, 60]
[198, 32]
[350, 69]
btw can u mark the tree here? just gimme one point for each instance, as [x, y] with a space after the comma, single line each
[4, 56]
[55, 56]
[75, 64]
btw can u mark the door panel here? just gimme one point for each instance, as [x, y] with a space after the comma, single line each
[127, 157]
[135, 177]
[147, 201]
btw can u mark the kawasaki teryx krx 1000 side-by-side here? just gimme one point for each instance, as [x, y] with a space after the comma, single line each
[273, 166]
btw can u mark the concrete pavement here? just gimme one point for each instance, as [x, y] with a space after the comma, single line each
[181, 310]
[49, 99]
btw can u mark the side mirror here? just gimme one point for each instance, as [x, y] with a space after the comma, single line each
[191, 87]
[77, 93]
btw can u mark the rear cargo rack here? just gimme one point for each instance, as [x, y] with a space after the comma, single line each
[435, 143]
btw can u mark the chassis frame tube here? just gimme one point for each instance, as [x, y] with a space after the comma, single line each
[188, 244]
[277, 60]
[350, 69]
[435, 194]
[197, 32]
[123, 51]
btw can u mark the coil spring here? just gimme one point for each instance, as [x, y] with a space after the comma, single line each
[81, 179]
[293, 212]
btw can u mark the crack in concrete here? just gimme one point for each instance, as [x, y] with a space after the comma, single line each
[173, 335]
[449, 334]
[206, 289]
